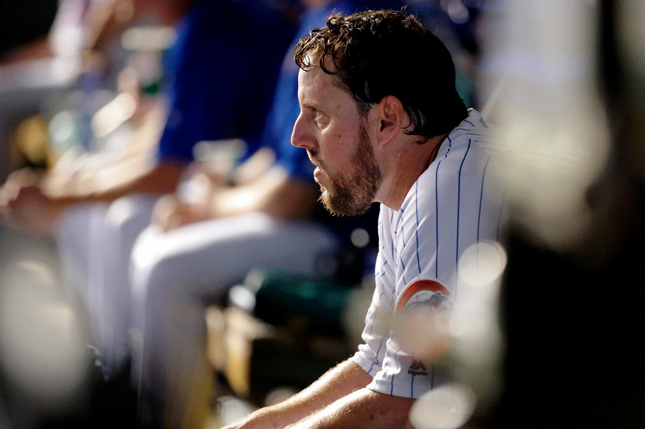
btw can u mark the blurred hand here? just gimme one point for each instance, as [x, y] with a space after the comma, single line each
[21, 178]
[23, 204]
[170, 213]
[190, 204]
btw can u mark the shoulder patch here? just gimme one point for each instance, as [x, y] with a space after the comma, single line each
[420, 322]
[417, 368]
[419, 288]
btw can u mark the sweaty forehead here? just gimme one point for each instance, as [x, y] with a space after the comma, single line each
[309, 84]
[316, 86]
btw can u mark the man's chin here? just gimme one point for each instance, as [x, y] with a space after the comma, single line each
[339, 208]
[327, 202]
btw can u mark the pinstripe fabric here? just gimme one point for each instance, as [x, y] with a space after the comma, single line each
[453, 205]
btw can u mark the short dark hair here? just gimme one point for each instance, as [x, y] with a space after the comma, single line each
[386, 52]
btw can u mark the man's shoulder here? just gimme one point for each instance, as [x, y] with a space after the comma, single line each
[473, 128]
[471, 142]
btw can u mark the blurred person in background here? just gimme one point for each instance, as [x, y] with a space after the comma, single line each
[96, 209]
[382, 121]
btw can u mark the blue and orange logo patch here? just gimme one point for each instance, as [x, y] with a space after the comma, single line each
[422, 288]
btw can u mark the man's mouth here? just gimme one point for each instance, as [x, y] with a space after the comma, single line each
[313, 157]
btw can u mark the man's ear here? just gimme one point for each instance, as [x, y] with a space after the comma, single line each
[390, 116]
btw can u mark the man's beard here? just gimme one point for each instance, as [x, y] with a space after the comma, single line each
[353, 194]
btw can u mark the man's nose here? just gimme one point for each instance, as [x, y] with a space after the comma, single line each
[301, 136]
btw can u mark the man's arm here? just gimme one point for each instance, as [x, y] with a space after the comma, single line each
[340, 382]
[36, 207]
[274, 193]
[363, 409]
[114, 181]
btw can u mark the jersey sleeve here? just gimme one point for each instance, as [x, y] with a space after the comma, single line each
[203, 83]
[371, 353]
[451, 207]
[216, 89]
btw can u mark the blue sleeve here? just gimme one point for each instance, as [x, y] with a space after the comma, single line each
[283, 115]
[217, 88]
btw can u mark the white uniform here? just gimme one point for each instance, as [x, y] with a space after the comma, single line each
[95, 241]
[173, 274]
[453, 204]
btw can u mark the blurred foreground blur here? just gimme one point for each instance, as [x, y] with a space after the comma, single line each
[568, 84]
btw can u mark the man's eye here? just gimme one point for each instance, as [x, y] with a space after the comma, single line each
[318, 117]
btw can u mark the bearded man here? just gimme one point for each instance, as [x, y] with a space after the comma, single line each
[382, 122]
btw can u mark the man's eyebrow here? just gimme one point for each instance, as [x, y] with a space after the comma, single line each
[308, 105]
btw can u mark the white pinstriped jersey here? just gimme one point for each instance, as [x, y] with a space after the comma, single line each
[453, 204]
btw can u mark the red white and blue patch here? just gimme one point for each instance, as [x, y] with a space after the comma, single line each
[428, 292]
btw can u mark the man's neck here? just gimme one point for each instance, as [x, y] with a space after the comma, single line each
[409, 161]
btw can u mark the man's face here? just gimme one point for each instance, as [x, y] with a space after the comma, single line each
[338, 143]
